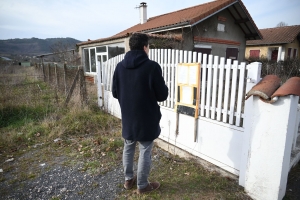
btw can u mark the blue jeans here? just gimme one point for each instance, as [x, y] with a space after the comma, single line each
[144, 162]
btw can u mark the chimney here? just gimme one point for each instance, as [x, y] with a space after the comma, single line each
[143, 12]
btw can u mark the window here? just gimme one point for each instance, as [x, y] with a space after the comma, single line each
[104, 58]
[101, 58]
[232, 53]
[289, 53]
[295, 53]
[274, 55]
[86, 60]
[221, 27]
[89, 60]
[204, 49]
[101, 49]
[93, 60]
[254, 53]
[115, 49]
[95, 56]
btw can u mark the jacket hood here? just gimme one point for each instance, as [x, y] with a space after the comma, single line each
[134, 58]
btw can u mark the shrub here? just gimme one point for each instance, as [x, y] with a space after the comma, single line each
[283, 69]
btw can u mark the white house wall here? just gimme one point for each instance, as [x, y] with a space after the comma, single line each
[208, 29]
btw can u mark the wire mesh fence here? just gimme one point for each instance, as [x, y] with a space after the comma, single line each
[283, 69]
[66, 80]
[46, 86]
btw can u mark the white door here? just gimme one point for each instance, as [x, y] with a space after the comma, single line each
[100, 87]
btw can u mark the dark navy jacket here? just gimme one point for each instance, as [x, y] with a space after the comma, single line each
[138, 85]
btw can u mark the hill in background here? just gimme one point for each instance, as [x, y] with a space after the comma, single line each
[34, 46]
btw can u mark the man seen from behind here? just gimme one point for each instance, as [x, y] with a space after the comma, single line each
[138, 85]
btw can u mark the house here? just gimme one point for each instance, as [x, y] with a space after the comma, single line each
[218, 27]
[25, 63]
[278, 43]
[5, 58]
[5, 61]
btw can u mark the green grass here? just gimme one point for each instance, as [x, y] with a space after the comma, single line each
[18, 116]
[186, 179]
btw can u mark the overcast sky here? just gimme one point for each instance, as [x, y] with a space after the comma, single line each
[94, 19]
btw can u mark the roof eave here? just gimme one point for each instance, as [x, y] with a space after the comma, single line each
[102, 40]
[251, 20]
[266, 44]
[166, 28]
[201, 20]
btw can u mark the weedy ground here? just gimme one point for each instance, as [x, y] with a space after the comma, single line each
[35, 128]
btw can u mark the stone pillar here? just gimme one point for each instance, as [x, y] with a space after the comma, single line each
[271, 138]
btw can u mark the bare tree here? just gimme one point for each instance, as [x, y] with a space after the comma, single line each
[281, 24]
[64, 52]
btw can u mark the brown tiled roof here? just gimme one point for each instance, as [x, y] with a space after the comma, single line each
[175, 37]
[103, 39]
[186, 16]
[269, 89]
[278, 35]
[189, 16]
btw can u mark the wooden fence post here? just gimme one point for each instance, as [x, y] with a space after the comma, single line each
[56, 76]
[49, 73]
[83, 92]
[56, 83]
[72, 87]
[65, 77]
[43, 69]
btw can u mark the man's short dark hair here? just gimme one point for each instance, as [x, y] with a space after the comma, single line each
[137, 41]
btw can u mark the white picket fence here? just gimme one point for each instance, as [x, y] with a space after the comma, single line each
[222, 84]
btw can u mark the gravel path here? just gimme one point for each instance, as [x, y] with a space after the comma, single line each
[67, 183]
[58, 181]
